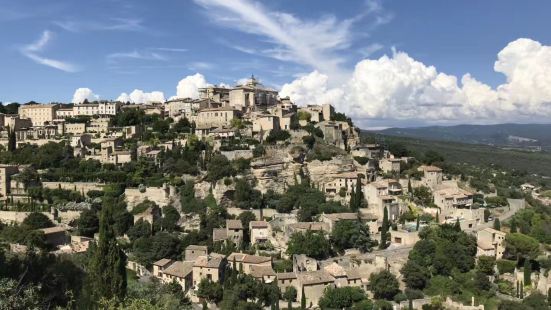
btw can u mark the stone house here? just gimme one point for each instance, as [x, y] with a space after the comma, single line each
[490, 242]
[450, 200]
[259, 267]
[389, 165]
[260, 231]
[232, 232]
[193, 251]
[381, 194]
[432, 176]
[217, 117]
[39, 114]
[404, 237]
[209, 267]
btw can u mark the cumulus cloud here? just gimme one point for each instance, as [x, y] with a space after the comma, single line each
[398, 87]
[188, 87]
[311, 89]
[82, 94]
[139, 96]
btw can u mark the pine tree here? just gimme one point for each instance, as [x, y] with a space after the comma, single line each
[497, 224]
[384, 230]
[107, 269]
[513, 226]
[527, 272]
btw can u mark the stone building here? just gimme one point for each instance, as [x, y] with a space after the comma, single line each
[490, 242]
[217, 117]
[381, 194]
[39, 114]
[252, 95]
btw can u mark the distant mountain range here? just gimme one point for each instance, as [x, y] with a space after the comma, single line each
[525, 136]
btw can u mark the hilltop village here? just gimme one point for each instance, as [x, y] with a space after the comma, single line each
[240, 199]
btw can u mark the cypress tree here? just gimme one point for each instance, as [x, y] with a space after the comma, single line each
[437, 218]
[11, 140]
[410, 305]
[418, 224]
[521, 296]
[497, 224]
[107, 269]
[513, 226]
[359, 194]
[527, 272]
[384, 230]
[410, 189]
[352, 200]
[303, 300]
[457, 225]
[518, 290]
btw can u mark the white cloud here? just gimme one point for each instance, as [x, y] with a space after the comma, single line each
[32, 51]
[398, 87]
[314, 43]
[311, 89]
[189, 86]
[139, 96]
[145, 55]
[82, 94]
[113, 24]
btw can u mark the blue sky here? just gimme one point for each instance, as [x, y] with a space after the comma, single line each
[51, 48]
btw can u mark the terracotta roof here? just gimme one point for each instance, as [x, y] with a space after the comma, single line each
[234, 224]
[316, 226]
[197, 247]
[258, 224]
[210, 261]
[286, 275]
[261, 271]
[248, 259]
[179, 269]
[163, 262]
[315, 277]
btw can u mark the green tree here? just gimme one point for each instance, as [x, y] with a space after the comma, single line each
[37, 220]
[486, 264]
[88, 223]
[170, 219]
[519, 245]
[527, 272]
[351, 234]
[218, 168]
[513, 226]
[497, 224]
[211, 291]
[290, 295]
[384, 285]
[341, 297]
[107, 266]
[310, 243]
[384, 230]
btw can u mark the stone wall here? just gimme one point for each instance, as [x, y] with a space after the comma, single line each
[82, 187]
[158, 195]
[232, 155]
